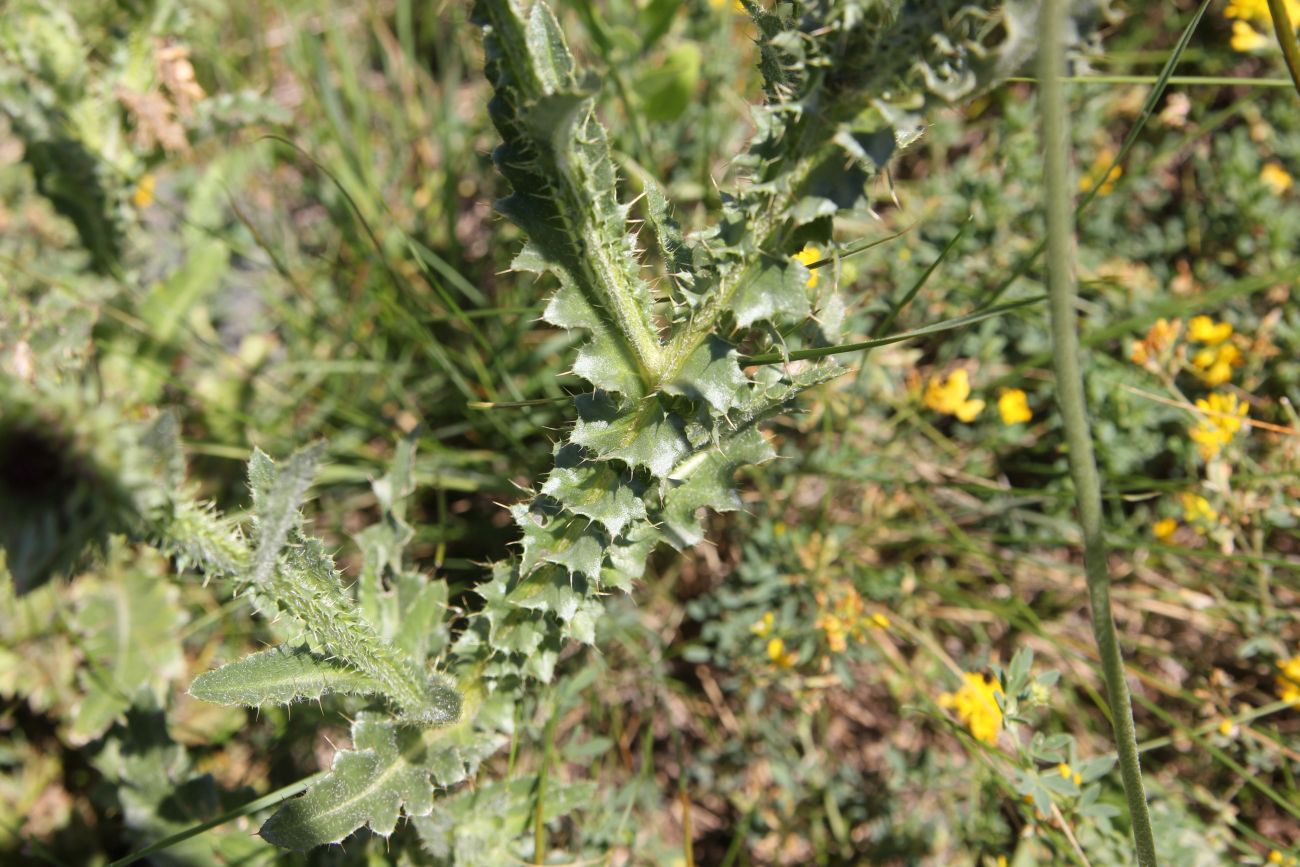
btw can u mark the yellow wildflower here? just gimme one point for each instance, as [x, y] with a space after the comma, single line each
[1226, 728]
[779, 656]
[1203, 329]
[736, 5]
[951, 396]
[1275, 178]
[807, 256]
[1257, 11]
[1014, 407]
[1064, 770]
[144, 189]
[1254, 12]
[976, 705]
[763, 626]
[1275, 857]
[1214, 366]
[845, 618]
[1248, 10]
[1090, 177]
[1159, 337]
[1197, 508]
[1221, 422]
[1288, 680]
[1002, 861]
[1246, 38]
[1164, 528]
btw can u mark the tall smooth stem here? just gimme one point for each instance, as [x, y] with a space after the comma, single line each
[1074, 414]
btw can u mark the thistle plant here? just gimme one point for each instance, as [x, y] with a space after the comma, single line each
[678, 338]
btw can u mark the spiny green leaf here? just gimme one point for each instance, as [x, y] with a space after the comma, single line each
[711, 373]
[553, 537]
[387, 772]
[555, 154]
[277, 496]
[595, 490]
[641, 434]
[777, 293]
[279, 676]
[307, 586]
[705, 480]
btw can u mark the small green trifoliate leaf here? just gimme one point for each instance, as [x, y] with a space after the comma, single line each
[640, 434]
[277, 496]
[711, 373]
[387, 772]
[279, 676]
[594, 490]
[705, 480]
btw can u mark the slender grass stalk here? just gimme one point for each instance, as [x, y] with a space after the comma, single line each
[262, 803]
[1074, 415]
[1285, 32]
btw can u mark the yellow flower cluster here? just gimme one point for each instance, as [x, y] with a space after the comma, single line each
[779, 656]
[1288, 680]
[1164, 529]
[1197, 509]
[844, 617]
[1276, 857]
[776, 652]
[1248, 15]
[1214, 362]
[1221, 422]
[1069, 773]
[1275, 178]
[975, 704]
[144, 191]
[1014, 406]
[1158, 339]
[951, 396]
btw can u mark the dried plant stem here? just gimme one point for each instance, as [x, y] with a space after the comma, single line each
[1074, 414]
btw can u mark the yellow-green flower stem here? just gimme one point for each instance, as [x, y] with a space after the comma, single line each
[1062, 299]
[1285, 31]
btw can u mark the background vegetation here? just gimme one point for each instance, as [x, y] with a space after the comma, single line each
[274, 220]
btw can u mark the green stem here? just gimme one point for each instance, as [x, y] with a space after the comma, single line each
[1285, 31]
[1074, 415]
[262, 803]
[945, 325]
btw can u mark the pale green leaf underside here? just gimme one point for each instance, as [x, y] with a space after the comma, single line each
[280, 675]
